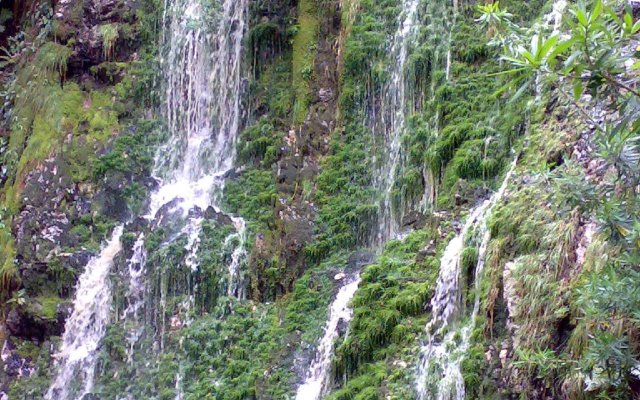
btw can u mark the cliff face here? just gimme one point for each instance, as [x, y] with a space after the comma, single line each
[372, 139]
[71, 113]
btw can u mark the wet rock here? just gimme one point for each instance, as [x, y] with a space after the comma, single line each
[325, 94]
[110, 201]
[82, 206]
[400, 364]
[428, 251]
[15, 366]
[231, 174]
[27, 324]
[359, 259]
[504, 354]
[138, 224]
[195, 212]
[287, 174]
[43, 222]
[20, 325]
[342, 327]
[33, 275]
[168, 210]
[79, 259]
[63, 311]
[217, 216]
[510, 293]
[414, 220]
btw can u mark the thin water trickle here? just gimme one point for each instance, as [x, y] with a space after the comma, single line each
[439, 375]
[388, 123]
[135, 294]
[201, 64]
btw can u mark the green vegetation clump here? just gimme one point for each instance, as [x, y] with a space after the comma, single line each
[109, 33]
[254, 196]
[389, 319]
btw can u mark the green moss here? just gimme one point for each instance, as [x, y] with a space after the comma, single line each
[48, 306]
[303, 57]
[253, 195]
[9, 274]
[258, 143]
[109, 33]
[53, 57]
[388, 314]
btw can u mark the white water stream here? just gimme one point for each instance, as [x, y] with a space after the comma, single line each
[317, 378]
[439, 375]
[86, 326]
[389, 122]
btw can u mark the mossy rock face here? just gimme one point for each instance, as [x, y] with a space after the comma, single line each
[41, 319]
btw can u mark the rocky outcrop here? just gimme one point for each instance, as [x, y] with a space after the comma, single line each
[101, 31]
[298, 165]
[52, 205]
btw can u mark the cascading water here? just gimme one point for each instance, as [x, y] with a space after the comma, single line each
[201, 71]
[135, 294]
[315, 383]
[387, 123]
[86, 326]
[439, 375]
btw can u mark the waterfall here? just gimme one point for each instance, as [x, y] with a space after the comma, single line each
[201, 49]
[315, 383]
[201, 68]
[439, 375]
[201, 65]
[86, 326]
[389, 122]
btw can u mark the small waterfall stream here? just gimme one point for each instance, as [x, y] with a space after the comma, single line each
[201, 51]
[316, 380]
[387, 124]
[86, 326]
[439, 375]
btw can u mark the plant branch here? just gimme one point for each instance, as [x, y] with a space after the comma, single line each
[581, 110]
[622, 85]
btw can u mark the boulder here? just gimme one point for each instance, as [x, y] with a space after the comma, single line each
[214, 215]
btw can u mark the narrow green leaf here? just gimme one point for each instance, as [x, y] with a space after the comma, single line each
[577, 89]
[561, 48]
[597, 10]
[582, 17]
[628, 22]
[521, 91]
[508, 72]
[546, 47]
